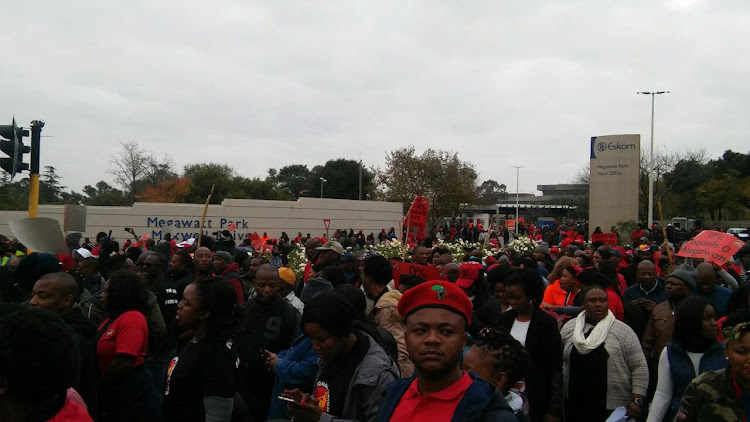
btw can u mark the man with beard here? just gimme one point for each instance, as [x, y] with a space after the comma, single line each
[270, 324]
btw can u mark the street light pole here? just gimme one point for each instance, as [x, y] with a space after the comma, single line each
[653, 94]
[515, 225]
[322, 180]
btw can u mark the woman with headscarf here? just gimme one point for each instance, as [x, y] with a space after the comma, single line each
[693, 351]
[722, 395]
[537, 332]
[603, 364]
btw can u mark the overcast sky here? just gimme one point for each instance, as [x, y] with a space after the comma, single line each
[259, 84]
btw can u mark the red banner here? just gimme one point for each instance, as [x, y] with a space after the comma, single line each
[425, 272]
[255, 241]
[712, 245]
[416, 218]
[606, 238]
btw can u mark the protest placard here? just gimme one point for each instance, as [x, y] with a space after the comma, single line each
[255, 241]
[425, 272]
[416, 218]
[510, 224]
[605, 238]
[712, 245]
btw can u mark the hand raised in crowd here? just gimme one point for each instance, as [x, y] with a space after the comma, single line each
[271, 359]
[305, 408]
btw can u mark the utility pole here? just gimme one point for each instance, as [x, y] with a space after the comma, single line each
[651, 159]
[36, 136]
[518, 171]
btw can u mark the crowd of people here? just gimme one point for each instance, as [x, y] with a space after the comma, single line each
[210, 330]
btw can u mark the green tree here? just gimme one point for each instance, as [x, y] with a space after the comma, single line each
[203, 176]
[255, 188]
[342, 179]
[438, 175]
[491, 192]
[294, 180]
[49, 186]
[104, 194]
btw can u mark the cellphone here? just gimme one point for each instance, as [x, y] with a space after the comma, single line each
[287, 399]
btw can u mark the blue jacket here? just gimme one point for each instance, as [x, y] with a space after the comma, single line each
[719, 296]
[683, 371]
[481, 403]
[296, 368]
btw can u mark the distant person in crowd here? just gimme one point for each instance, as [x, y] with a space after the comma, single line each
[202, 263]
[327, 255]
[708, 287]
[269, 323]
[436, 314]
[497, 279]
[349, 266]
[152, 267]
[89, 269]
[38, 365]
[287, 287]
[722, 395]
[201, 381]
[376, 274]
[603, 364]
[56, 292]
[537, 331]
[486, 309]
[554, 294]
[693, 351]
[224, 266]
[643, 296]
[181, 271]
[126, 390]
[249, 270]
[353, 369]
[680, 285]
[420, 255]
[501, 360]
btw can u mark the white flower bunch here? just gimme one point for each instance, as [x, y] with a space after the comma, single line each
[389, 248]
[522, 245]
[297, 260]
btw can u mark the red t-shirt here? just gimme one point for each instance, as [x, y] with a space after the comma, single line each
[74, 409]
[438, 407]
[127, 335]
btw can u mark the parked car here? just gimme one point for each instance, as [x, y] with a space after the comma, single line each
[743, 234]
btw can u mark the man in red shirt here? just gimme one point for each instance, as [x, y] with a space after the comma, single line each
[436, 314]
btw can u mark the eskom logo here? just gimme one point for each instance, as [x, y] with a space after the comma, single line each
[608, 146]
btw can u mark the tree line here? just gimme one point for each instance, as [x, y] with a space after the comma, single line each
[138, 175]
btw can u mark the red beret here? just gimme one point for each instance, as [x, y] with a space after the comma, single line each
[435, 294]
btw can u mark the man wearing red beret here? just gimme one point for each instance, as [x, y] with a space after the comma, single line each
[436, 314]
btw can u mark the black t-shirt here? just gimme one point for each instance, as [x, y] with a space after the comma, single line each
[334, 380]
[167, 300]
[203, 369]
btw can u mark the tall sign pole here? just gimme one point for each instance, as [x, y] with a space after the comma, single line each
[36, 136]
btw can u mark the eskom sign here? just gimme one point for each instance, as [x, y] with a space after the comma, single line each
[613, 183]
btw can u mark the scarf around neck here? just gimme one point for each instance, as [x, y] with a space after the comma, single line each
[584, 344]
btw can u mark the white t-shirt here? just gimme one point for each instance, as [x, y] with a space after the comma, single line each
[519, 331]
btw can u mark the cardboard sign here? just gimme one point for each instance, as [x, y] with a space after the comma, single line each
[416, 218]
[425, 272]
[715, 246]
[232, 226]
[255, 241]
[606, 238]
[40, 234]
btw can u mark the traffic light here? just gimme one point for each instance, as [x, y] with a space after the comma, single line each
[13, 146]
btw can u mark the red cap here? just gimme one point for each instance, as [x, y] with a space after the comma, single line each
[435, 294]
[468, 273]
